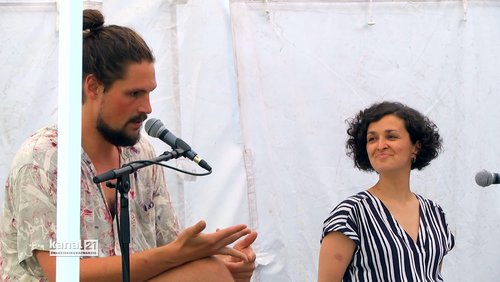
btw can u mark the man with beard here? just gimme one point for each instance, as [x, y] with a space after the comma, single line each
[118, 77]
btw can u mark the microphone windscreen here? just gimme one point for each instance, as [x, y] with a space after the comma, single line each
[153, 127]
[484, 178]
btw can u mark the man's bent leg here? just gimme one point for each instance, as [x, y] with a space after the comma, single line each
[208, 270]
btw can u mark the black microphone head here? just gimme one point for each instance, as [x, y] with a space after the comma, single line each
[484, 178]
[154, 127]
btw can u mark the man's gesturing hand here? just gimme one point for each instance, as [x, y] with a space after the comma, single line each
[242, 270]
[191, 244]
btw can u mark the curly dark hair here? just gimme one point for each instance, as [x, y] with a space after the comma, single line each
[419, 127]
[109, 50]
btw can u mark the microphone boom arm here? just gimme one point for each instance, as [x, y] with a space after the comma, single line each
[132, 167]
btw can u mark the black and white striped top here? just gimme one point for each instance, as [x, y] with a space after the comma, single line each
[384, 251]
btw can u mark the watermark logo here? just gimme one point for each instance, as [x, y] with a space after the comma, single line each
[84, 248]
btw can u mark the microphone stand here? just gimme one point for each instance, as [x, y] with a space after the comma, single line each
[122, 176]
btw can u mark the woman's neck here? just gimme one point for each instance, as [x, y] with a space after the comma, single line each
[393, 188]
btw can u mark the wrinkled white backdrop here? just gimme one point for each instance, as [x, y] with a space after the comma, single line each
[261, 89]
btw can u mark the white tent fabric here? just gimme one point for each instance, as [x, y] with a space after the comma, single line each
[261, 89]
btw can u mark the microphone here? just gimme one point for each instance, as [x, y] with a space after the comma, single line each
[155, 128]
[485, 178]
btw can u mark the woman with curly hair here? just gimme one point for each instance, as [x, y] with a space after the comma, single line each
[387, 233]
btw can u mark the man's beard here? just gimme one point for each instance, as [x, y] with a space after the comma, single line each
[119, 137]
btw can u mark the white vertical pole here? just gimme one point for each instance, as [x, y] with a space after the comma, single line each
[69, 137]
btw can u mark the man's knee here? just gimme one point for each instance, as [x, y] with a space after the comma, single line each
[211, 267]
[206, 269]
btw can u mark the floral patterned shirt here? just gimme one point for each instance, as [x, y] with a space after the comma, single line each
[29, 215]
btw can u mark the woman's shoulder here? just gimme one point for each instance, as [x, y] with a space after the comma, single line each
[428, 204]
[358, 198]
[356, 202]
[349, 211]
[425, 200]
